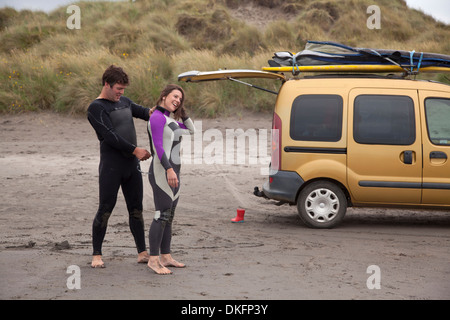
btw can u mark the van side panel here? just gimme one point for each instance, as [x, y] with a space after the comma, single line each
[312, 166]
[385, 146]
[313, 159]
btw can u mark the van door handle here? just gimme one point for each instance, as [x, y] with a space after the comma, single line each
[438, 155]
[408, 157]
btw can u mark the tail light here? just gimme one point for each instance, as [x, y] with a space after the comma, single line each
[276, 144]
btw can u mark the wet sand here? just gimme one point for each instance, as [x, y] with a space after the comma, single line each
[48, 176]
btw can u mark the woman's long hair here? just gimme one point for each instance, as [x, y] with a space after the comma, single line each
[180, 112]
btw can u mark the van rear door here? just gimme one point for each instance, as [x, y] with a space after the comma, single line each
[196, 76]
[436, 147]
[233, 75]
[384, 146]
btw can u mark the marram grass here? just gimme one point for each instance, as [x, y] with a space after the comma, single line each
[46, 66]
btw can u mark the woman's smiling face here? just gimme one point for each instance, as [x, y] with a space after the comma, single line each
[173, 100]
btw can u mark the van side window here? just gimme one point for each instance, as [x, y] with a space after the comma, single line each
[437, 111]
[384, 119]
[316, 118]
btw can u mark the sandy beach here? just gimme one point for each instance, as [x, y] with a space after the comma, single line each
[49, 196]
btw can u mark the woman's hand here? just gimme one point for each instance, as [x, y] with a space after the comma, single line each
[172, 178]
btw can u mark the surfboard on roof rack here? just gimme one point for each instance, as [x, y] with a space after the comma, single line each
[327, 56]
[353, 68]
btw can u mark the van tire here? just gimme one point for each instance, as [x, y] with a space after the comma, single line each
[322, 204]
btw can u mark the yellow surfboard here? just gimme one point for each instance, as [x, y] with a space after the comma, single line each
[352, 68]
[195, 76]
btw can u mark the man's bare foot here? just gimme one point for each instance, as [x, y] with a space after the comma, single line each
[143, 257]
[155, 265]
[97, 262]
[168, 261]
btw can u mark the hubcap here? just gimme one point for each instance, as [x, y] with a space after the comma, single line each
[322, 205]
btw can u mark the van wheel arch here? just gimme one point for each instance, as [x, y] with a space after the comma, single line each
[343, 188]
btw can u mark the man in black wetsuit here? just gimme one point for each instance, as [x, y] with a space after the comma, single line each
[111, 115]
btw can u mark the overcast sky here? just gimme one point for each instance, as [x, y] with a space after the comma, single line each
[439, 9]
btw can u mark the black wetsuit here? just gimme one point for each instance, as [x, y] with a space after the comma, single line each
[113, 123]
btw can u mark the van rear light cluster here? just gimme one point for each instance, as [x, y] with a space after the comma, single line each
[276, 144]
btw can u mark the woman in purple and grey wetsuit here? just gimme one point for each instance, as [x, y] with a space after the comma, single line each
[164, 174]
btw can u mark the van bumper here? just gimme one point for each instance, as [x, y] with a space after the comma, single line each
[284, 186]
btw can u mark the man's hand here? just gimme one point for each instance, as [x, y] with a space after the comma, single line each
[141, 153]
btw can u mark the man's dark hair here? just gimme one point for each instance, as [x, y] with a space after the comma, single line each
[113, 75]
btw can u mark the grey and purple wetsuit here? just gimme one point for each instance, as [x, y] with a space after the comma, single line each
[165, 139]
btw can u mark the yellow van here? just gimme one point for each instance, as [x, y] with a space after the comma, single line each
[355, 140]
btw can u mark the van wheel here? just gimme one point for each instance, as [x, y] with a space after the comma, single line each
[322, 204]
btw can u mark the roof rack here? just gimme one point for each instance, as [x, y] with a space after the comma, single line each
[326, 56]
[353, 75]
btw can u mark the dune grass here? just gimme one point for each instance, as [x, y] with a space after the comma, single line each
[46, 66]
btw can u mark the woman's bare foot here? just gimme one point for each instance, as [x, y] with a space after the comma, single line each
[168, 261]
[97, 262]
[143, 257]
[155, 265]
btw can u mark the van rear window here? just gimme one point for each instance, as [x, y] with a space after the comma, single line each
[438, 120]
[384, 119]
[317, 118]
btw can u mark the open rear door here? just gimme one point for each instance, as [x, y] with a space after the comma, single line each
[195, 76]
[233, 75]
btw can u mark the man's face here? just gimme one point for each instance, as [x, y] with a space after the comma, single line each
[115, 92]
